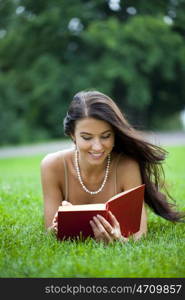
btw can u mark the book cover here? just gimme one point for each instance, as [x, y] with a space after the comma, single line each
[73, 221]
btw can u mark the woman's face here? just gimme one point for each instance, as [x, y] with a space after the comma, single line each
[94, 139]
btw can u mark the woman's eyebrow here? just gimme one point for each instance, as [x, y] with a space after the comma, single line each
[83, 132]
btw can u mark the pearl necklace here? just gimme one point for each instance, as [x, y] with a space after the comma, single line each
[80, 178]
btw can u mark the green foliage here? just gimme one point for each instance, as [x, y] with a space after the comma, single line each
[134, 53]
[171, 123]
[27, 251]
[49, 50]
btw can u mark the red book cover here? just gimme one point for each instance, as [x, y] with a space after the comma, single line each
[73, 221]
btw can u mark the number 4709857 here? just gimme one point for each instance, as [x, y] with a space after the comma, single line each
[159, 288]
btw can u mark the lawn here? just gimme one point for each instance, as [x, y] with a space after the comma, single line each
[27, 251]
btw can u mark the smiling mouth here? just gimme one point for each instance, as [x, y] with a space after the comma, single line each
[96, 155]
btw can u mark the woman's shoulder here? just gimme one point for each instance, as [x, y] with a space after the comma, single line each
[128, 161]
[129, 169]
[125, 161]
[55, 160]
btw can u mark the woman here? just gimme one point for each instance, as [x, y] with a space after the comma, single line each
[109, 157]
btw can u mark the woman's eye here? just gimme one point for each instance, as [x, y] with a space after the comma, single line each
[106, 137]
[86, 138]
[89, 138]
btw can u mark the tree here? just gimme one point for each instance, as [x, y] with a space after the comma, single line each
[49, 50]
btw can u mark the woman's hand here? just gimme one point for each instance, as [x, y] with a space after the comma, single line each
[104, 231]
[54, 227]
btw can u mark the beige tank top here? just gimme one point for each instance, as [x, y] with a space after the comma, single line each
[73, 188]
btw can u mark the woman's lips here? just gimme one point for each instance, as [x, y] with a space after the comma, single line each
[96, 155]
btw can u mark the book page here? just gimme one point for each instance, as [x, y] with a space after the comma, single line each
[124, 193]
[82, 207]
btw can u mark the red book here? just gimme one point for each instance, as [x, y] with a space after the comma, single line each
[73, 220]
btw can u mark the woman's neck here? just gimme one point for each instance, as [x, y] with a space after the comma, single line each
[88, 170]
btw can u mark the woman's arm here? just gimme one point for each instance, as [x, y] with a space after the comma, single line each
[52, 194]
[143, 226]
[131, 179]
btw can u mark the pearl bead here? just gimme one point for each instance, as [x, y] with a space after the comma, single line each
[80, 178]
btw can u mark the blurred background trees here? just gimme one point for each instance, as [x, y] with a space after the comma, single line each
[132, 50]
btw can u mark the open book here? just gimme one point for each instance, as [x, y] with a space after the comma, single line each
[73, 220]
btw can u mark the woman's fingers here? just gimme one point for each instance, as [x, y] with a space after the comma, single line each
[114, 229]
[105, 223]
[114, 221]
[99, 231]
[103, 230]
[54, 226]
[55, 219]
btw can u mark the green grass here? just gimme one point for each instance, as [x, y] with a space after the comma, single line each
[27, 251]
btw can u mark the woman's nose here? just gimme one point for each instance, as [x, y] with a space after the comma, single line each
[97, 145]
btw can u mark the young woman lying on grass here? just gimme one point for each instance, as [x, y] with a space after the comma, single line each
[109, 157]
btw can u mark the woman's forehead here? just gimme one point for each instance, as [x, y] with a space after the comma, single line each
[92, 125]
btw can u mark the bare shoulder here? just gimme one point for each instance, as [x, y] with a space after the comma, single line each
[54, 161]
[129, 168]
[127, 162]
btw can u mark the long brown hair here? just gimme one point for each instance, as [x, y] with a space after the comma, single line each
[130, 142]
